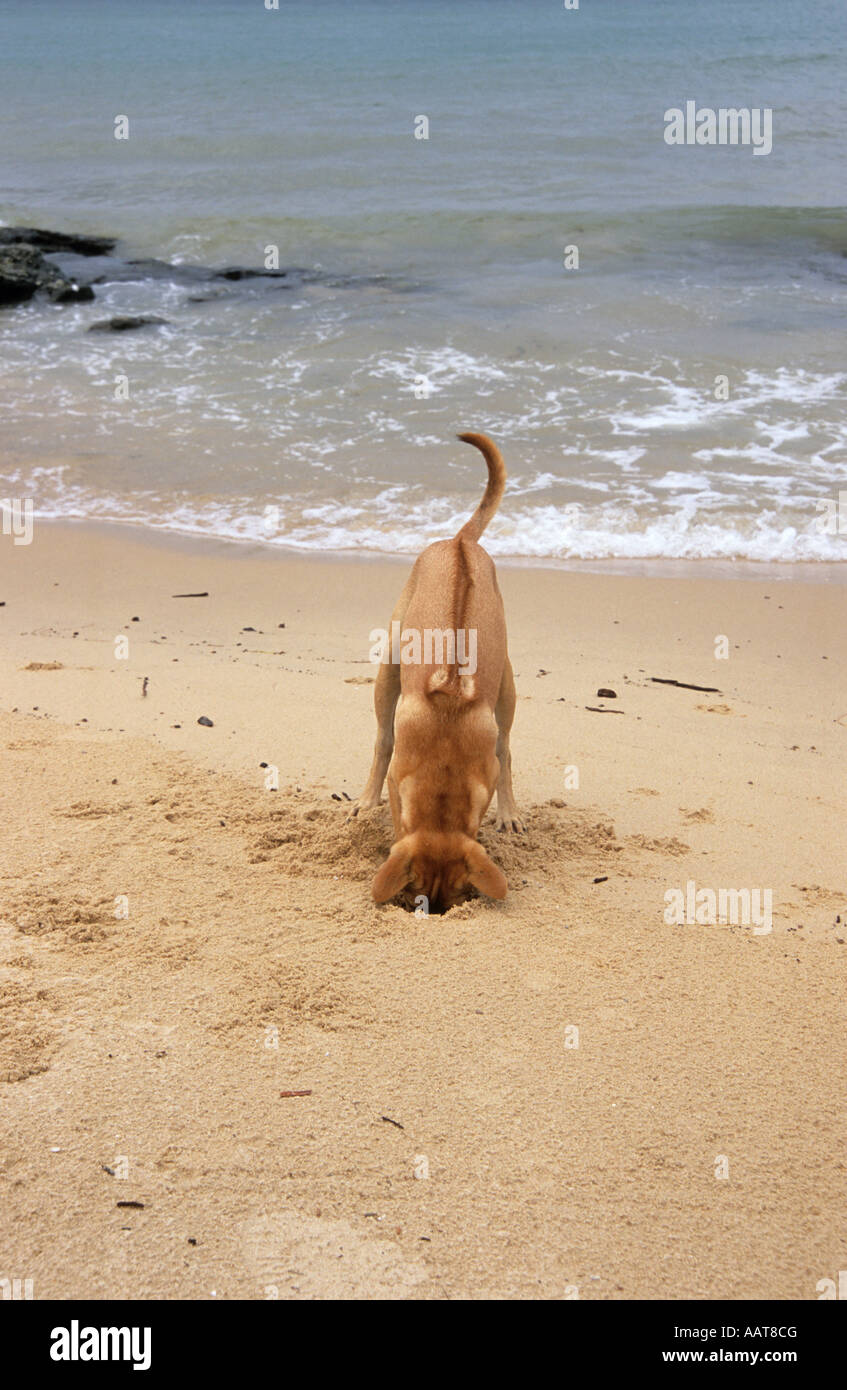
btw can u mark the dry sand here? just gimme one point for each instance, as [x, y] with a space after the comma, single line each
[253, 963]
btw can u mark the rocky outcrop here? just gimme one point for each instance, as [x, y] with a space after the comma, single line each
[24, 271]
[84, 261]
[57, 241]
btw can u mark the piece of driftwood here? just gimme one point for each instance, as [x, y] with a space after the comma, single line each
[684, 685]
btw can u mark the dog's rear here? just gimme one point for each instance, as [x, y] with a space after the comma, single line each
[450, 736]
[453, 588]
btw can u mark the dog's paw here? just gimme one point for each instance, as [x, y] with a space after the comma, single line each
[511, 821]
[363, 804]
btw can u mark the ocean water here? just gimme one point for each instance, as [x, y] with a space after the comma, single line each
[427, 291]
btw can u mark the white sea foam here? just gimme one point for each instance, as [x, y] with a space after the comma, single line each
[392, 522]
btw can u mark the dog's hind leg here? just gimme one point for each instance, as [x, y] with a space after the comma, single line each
[386, 695]
[508, 817]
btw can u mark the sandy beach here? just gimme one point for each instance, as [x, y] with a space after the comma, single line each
[560, 1095]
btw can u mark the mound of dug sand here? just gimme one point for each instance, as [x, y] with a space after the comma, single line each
[302, 835]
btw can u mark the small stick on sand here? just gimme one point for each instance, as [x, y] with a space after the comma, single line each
[683, 685]
[204, 595]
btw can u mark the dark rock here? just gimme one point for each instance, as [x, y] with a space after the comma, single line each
[238, 272]
[24, 271]
[205, 721]
[56, 241]
[122, 323]
[71, 293]
[605, 694]
[364, 282]
[20, 274]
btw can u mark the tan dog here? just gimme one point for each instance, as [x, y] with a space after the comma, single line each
[450, 735]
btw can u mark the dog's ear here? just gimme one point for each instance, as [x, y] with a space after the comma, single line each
[394, 874]
[483, 873]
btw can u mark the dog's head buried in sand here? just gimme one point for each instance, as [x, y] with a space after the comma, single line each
[445, 700]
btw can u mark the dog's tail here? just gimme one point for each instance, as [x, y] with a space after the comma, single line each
[473, 529]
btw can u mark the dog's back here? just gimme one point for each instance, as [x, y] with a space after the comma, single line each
[455, 593]
[453, 590]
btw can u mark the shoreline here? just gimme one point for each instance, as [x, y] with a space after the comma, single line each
[168, 538]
